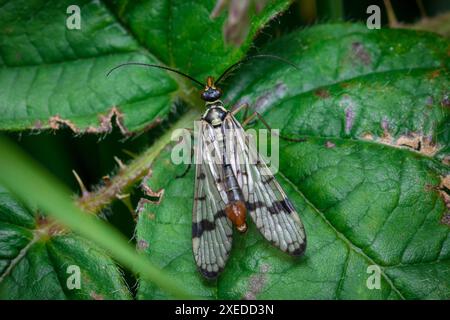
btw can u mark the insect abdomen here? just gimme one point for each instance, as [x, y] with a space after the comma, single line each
[236, 209]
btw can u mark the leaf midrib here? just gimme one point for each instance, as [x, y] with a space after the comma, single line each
[22, 253]
[340, 235]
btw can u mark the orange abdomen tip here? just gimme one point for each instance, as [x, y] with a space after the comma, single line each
[236, 211]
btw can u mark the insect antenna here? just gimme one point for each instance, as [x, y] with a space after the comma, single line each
[155, 66]
[258, 56]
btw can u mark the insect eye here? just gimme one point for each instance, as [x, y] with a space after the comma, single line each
[211, 94]
[204, 96]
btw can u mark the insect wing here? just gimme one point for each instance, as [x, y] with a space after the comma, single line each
[268, 205]
[211, 229]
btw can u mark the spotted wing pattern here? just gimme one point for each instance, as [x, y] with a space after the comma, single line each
[267, 203]
[211, 229]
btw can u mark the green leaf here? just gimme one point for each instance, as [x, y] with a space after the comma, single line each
[373, 106]
[56, 77]
[50, 196]
[36, 260]
[170, 29]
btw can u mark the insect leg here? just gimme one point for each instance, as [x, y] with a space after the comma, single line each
[250, 118]
[234, 111]
[188, 168]
[261, 118]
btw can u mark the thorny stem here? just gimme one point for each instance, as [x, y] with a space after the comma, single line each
[127, 176]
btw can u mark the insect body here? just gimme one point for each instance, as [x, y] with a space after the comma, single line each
[231, 181]
[226, 190]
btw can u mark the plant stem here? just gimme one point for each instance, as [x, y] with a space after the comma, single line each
[37, 187]
[96, 200]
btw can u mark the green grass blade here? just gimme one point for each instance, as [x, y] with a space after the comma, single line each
[30, 182]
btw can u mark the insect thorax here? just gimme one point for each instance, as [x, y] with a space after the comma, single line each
[215, 113]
